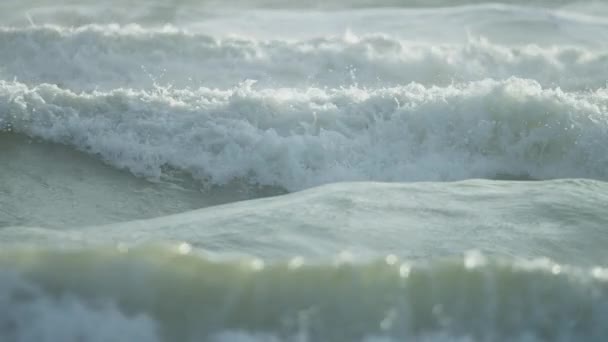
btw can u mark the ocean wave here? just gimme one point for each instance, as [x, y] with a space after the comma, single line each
[164, 294]
[296, 139]
[109, 56]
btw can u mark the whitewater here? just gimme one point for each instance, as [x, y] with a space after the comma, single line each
[270, 171]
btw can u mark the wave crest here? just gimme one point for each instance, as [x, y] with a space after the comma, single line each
[297, 139]
[110, 56]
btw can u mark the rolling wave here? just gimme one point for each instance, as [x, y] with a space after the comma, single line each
[563, 220]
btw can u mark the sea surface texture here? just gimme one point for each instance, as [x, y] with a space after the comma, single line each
[303, 171]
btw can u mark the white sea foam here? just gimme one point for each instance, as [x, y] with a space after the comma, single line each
[105, 57]
[301, 138]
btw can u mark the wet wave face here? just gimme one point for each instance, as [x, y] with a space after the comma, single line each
[374, 171]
